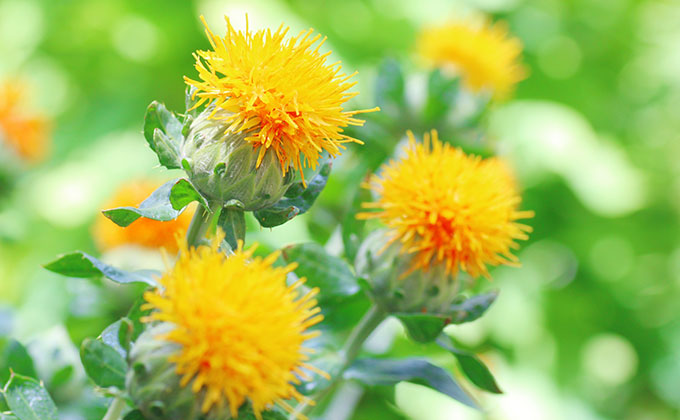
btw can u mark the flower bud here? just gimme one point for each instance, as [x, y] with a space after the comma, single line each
[154, 385]
[396, 285]
[223, 166]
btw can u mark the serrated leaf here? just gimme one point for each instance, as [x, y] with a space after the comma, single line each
[28, 399]
[473, 368]
[164, 204]
[80, 264]
[104, 365]
[163, 133]
[392, 371]
[13, 355]
[389, 88]
[296, 201]
[441, 95]
[332, 275]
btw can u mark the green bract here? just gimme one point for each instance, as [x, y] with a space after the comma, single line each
[398, 289]
[154, 386]
[223, 165]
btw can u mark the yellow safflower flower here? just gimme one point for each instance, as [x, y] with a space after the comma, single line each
[279, 91]
[239, 327]
[144, 232]
[444, 206]
[486, 56]
[26, 133]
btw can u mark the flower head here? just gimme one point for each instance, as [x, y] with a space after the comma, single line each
[144, 232]
[280, 91]
[239, 327]
[486, 55]
[25, 132]
[445, 207]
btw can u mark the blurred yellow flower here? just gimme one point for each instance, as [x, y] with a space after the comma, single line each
[280, 91]
[26, 133]
[240, 328]
[443, 206]
[486, 56]
[143, 232]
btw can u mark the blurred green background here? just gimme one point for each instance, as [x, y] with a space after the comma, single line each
[588, 328]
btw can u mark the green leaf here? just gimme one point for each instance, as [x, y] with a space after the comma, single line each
[426, 327]
[14, 357]
[475, 370]
[163, 133]
[246, 413]
[3, 403]
[389, 88]
[111, 337]
[441, 95]
[61, 376]
[80, 264]
[135, 316]
[332, 275]
[374, 372]
[164, 204]
[7, 416]
[472, 308]
[352, 229]
[297, 200]
[28, 399]
[134, 415]
[103, 364]
[422, 328]
[233, 223]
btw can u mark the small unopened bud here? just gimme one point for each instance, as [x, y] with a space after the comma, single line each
[395, 285]
[223, 166]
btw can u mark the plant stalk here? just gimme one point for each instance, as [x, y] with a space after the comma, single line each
[370, 321]
[199, 225]
[115, 409]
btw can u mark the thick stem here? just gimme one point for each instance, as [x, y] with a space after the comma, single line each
[199, 225]
[115, 409]
[374, 317]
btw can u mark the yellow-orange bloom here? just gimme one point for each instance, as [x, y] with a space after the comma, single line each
[486, 56]
[446, 207]
[239, 327]
[143, 232]
[25, 133]
[280, 91]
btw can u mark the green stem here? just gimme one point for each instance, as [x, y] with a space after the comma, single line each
[199, 225]
[374, 317]
[115, 409]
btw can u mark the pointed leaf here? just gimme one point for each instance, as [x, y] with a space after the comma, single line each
[104, 365]
[164, 204]
[28, 399]
[392, 371]
[233, 223]
[332, 275]
[110, 337]
[80, 264]
[475, 370]
[14, 357]
[163, 133]
[135, 316]
[422, 328]
[441, 94]
[472, 308]
[389, 88]
[297, 200]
